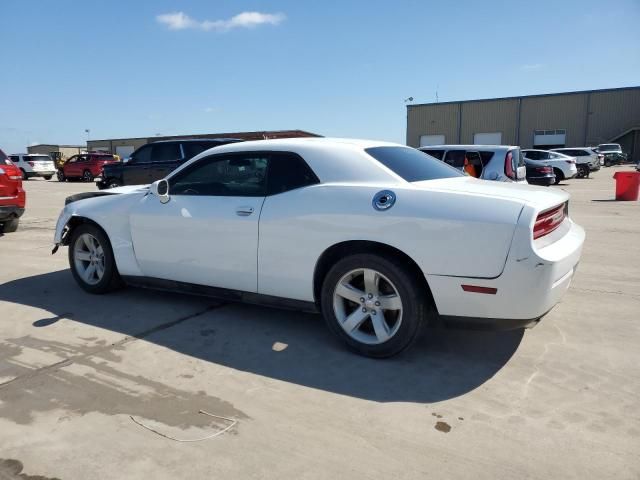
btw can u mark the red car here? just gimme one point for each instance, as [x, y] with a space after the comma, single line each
[85, 166]
[12, 196]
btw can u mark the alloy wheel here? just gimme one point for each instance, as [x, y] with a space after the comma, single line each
[89, 258]
[367, 306]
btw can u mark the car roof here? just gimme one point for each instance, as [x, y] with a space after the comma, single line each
[209, 140]
[331, 159]
[475, 147]
[571, 148]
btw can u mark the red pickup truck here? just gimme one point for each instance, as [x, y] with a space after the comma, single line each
[12, 196]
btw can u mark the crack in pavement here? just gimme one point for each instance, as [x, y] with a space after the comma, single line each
[124, 341]
[593, 290]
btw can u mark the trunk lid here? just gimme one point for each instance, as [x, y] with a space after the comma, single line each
[539, 197]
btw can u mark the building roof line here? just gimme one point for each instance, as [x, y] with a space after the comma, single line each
[577, 92]
[192, 135]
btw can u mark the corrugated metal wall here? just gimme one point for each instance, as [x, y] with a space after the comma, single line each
[589, 118]
[612, 113]
[568, 112]
[488, 117]
[435, 119]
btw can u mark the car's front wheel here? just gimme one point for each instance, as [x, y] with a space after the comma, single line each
[87, 176]
[91, 260]
[60, 175]
[374, 305]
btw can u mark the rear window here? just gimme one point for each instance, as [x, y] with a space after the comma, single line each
[610, 147]
[38, 158]
[412, 165]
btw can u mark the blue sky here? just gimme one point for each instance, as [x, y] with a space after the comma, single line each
[339, 68]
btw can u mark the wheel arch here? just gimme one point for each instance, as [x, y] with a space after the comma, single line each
[74, 222]
[351, 247]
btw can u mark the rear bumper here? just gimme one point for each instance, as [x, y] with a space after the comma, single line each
[8, 212]
[532, 283]
[41, 173]
[544, 181]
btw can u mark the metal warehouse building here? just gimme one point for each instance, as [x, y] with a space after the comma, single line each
[536, 121]
[65, 150]
[125, 146]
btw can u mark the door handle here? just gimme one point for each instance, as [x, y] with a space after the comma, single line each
[244, 211]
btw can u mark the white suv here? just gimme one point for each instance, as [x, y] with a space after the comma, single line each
[584, 156]
[34, 165]
[490, 162]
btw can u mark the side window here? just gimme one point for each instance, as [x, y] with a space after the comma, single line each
[73, 159]
[544, 156]
[435, 153]
[486, 157]
[532, 155]
[582, 153]
[83, 158]
[164, 152]
[142, 155]
[455, 158]
[14, 158]
[191, 149]
[288, 171]
[233, 175]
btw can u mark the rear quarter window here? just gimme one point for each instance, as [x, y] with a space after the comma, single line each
[412, 165]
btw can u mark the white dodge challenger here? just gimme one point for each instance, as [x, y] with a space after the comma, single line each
[379, 237]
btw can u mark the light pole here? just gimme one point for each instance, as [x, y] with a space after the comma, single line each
[88, 132]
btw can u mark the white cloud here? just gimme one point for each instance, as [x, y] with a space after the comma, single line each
[532, 66]
[182, 21]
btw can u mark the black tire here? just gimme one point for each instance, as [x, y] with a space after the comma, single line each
[559, 175]
[60, 175]
[111, 279]
[87, 176]
[113, 183]
[10, 226]
[24, 174]
[607, 162]
[414, 303]
[47, 177]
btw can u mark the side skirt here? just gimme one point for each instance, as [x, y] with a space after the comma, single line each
[226, 294]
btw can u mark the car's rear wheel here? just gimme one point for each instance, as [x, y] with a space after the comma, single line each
[10, 226]
[373, 305]
[60, 175]
[87, 176]
[48, 177]
[559, 175]
[24, 174]
[91, 260]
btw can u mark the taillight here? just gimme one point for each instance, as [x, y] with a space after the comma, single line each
[549, 220]
[545, 169]
[33, 164]
[570, 161]
[508, 165]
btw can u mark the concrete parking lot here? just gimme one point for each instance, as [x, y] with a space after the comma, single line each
[558, 401]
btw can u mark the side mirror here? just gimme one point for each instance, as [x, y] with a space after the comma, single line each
[160, 189]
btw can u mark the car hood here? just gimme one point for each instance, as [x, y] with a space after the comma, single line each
[540, 197]
[103, 193]
[129, 189]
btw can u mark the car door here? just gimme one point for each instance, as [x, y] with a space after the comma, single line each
[207, 233]
[165, 158]
[70, 168]
[136, 170]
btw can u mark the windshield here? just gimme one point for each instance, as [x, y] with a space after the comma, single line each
[412, 165]
[610, 147]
